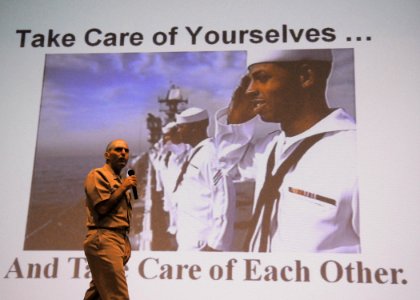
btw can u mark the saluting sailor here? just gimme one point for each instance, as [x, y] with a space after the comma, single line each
[306, 197]
[204, 195]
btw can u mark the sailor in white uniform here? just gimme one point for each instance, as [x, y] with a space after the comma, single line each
[306, 195]
[204, 194]
[174, 156]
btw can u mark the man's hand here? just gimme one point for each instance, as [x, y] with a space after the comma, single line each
[129, 182]
[104, 207]
[241, 108]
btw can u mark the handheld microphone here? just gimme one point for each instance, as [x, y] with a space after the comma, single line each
[134, 189]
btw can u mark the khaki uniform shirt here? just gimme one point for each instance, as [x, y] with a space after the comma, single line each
[100, 183]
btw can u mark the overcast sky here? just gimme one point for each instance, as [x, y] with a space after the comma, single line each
[90, 99]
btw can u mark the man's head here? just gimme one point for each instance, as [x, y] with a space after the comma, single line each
[170, 133]
[116, 155]
[288, 85]
[192, 125]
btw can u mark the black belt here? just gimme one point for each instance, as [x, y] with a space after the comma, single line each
[120, 230]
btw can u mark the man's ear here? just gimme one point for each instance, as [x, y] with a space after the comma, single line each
[106, 155]
[307, 76]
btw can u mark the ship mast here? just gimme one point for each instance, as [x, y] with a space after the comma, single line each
[172, 104]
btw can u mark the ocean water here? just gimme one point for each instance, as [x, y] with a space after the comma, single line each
[60, 179]
[56, 213]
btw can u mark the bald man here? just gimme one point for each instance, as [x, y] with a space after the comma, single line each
[108, 207]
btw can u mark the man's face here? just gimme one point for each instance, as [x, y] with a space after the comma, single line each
[166, 138]
[175, 137]
[117, 155]
[185, 132]
[274, 92]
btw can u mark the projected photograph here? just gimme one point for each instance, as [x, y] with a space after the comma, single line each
[232, 150]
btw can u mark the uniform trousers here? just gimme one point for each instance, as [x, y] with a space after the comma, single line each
[107, 252]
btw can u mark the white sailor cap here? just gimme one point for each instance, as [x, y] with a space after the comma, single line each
[191, 115]
[167, 128]
[269, 56]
